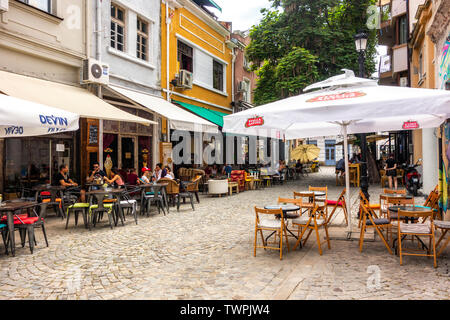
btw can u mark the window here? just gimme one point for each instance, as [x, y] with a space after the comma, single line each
[117, 28]
[44, 5]
[185, 54]
[142, 40]
[246, 94]
[217, 75]
[420, 65]
[246, 63]
[403, 30]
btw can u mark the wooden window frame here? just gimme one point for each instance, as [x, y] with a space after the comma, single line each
[221, 81]
[180, 54]
[142, 35]
[123, 24]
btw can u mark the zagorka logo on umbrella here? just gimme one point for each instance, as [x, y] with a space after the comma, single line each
[409, 125]
[338, 96]
[254, 122]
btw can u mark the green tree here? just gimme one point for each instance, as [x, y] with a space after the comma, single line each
[307, 41]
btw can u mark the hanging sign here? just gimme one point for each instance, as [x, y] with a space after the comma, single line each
[410, 125]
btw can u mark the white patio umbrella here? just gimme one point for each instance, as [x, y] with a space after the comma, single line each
[22, 118]
[347, 105]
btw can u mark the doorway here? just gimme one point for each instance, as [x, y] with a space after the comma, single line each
[128, 155]
[330, 152]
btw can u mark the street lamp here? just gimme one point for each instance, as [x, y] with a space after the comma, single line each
[361, 46]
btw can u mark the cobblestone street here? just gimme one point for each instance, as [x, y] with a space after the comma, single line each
[208, 254]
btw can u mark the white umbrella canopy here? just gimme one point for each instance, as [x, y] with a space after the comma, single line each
[348, 105]
[22, 118]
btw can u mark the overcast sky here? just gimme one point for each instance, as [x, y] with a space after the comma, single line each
[243, 13]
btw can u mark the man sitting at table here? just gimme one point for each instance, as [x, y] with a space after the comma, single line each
[96, 173]
[159, 173]
[132, 178]
[62, 179]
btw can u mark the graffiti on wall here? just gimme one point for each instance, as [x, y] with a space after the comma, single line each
[444, 66]
[444, 167]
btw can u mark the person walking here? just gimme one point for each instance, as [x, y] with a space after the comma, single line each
[391, 171]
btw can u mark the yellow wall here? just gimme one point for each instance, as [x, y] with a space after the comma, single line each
[196, 30]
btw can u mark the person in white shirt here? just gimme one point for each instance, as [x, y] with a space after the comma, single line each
[145, 175]
[169, 174]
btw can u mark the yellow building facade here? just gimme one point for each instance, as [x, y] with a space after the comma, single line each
[195, 43]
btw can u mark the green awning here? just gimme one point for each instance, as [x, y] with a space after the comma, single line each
[208, 3]
[215, 117]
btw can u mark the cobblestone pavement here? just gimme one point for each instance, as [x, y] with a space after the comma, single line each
[208, 254]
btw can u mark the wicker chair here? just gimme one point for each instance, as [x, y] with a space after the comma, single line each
[173, 188]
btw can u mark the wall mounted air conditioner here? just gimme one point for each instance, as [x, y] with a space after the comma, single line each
[403, 81]
[243, 86]
[95, 72]
[4, 5]
[185, 79]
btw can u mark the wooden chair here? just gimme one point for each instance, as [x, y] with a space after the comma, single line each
[194, 187]
[355, 175]
[365, 202]
[297, 202]
[432, 202]
[424, 229]
[173, 188]
[339, 204]
[383, 178]
[399, 176]
[445, 227]
[308, 200]
[273, 225]
[312, 222]
[395, 201]
[321, 201]
[393, 191]
[371, 220]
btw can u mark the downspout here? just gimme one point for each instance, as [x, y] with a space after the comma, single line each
[408, 40]
[168, 21]
[232, 78]
[99, 58]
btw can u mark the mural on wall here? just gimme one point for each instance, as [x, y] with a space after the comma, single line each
[444, 66]
[444, 168]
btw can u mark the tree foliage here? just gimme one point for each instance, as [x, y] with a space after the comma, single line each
[305, 42]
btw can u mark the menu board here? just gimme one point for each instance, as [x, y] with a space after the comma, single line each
[93, 135]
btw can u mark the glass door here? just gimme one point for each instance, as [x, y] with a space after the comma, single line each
[330, 152]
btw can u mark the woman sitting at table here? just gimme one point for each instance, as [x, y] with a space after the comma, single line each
[169, 174]
[146, 175]
[116, 179]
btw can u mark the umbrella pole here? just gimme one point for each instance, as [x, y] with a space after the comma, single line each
[347, 180]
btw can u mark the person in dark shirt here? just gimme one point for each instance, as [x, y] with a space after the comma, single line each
[96, 173]
[62, 179]
[391, 170]
[132, 178]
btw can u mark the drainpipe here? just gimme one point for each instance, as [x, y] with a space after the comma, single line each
[408, 50]
[168, 21]
[99, 58]
[232, 78]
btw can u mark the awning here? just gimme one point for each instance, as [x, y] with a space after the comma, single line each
[180, 119]
[208, 3]
[210, 115]
[65, 97]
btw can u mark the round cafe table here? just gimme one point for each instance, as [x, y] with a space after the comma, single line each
[401, 196]
[287, 209]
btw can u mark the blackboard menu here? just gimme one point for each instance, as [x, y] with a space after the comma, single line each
[93, 135]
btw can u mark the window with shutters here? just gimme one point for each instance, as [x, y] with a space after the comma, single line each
[217, 75]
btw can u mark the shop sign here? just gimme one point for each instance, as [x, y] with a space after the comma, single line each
[338, 96]
[410, 125]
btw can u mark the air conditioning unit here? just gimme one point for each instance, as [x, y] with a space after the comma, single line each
[243, 86]
[185, 79]
[4, 5]
[95, 72]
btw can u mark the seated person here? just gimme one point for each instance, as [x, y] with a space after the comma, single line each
[116, 179]
[159, 172]
[146, 175]
[96, 173]
[227, 170]
[340, 167]
[132, 178]
[169, 174]
[62, 179]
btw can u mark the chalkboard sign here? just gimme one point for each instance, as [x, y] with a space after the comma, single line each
[93, 135]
